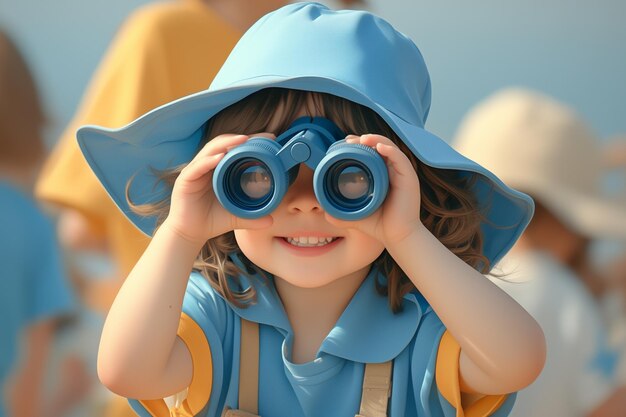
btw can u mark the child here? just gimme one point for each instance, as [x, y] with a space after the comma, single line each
[297, 313]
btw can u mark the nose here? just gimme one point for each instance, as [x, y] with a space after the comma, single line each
[300, 197]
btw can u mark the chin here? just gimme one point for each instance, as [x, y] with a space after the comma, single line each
[307, 280]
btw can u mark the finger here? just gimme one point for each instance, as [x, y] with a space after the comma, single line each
[386, 148]
[373, 139]
[369, 139]
[221, 144]
[226, 142]
[401, 171]
[392, 158]
[199, 167]
[266, 135]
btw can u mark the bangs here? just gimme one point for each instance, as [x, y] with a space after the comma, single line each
[272, 110]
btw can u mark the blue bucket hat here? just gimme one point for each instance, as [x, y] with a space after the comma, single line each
[304, 46]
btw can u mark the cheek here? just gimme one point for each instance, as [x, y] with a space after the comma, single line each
[366, 249]
[255, 244]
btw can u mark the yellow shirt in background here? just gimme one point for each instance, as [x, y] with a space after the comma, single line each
[164, 51]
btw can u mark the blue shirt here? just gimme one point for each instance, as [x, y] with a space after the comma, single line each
[330, 385]
[32, 281]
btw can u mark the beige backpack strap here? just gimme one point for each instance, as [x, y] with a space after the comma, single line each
[249, 367]
[376, 389]
[236, 413]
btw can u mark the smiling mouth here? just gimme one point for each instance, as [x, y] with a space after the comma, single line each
[309, 241]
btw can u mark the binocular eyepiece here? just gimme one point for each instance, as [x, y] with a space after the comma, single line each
[350, 180]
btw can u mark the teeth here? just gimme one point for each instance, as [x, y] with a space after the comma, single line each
[310, 241]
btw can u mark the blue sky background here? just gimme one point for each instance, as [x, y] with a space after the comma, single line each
[574, 50]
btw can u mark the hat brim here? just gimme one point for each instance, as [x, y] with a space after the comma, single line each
[170, 135]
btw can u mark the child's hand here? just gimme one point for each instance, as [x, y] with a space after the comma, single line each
[195, 213]
[399, 215]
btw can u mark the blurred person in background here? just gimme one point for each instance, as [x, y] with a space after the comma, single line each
[34, 294]
[163, 51]
[543, 148]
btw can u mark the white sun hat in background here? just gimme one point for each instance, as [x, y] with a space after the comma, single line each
[540, 146]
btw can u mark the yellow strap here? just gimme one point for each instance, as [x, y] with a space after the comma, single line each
[180, 412]
[485, 406]
[447, 377]
[156, 408]
[376, 389]
[202, 380]
[180, 407]
[249, 368]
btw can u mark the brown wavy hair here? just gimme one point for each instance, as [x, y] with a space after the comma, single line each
[449, 209]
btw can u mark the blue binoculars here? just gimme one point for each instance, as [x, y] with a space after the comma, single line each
[350, 180]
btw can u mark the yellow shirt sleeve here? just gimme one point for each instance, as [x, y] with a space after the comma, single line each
[447, 377]
[164, 51]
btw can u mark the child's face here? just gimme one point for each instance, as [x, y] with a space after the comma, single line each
[301, 247]
[296, 248]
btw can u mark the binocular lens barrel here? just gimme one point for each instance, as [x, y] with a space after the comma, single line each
[351, 181]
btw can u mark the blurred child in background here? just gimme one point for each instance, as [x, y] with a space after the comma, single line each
[33, 292]
[541, 147]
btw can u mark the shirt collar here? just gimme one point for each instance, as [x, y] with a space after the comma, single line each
[367, 331]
